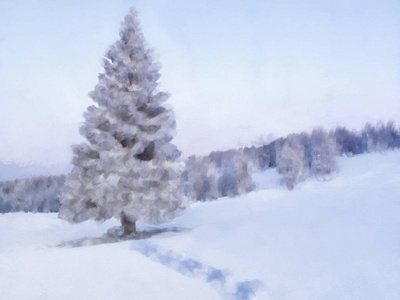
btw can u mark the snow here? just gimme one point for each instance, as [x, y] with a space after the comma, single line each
[32, 267]
[324, 240]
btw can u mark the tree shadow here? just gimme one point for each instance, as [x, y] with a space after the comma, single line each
[114, 235]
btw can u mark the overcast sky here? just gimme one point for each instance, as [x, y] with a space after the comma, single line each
[238, 71]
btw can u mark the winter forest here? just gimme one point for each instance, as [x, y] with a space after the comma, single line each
[131, 183]
[229, 173]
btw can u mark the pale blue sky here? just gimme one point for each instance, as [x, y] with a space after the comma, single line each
[237, 70]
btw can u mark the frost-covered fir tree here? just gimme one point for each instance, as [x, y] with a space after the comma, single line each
[128, 168]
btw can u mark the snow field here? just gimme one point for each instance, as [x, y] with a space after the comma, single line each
[324, 240]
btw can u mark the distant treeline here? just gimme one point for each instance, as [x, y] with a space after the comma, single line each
[36, 194]
[296, 157]
[229, 173]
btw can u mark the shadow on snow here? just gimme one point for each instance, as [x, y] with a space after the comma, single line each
[113, 235]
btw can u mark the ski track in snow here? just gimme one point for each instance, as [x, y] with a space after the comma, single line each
[189, 267]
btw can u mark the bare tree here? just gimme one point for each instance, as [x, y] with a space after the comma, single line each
[323, 154]
[292, 162]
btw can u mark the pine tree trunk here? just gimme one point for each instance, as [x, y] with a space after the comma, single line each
[129, 225]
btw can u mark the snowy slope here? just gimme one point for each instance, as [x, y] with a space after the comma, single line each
[324, 240]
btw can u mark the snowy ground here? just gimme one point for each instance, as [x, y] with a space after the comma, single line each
[324, 240]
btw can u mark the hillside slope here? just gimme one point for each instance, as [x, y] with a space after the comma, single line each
[324, 240]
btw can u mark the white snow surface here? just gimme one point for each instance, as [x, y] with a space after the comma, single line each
[338, 239]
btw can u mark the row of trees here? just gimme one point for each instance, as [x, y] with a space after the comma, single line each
[296, 157]
[229, 173]
[220, 174]
[36, 194]
[300, 156]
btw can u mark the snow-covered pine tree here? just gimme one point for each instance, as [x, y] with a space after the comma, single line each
[128, 168]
